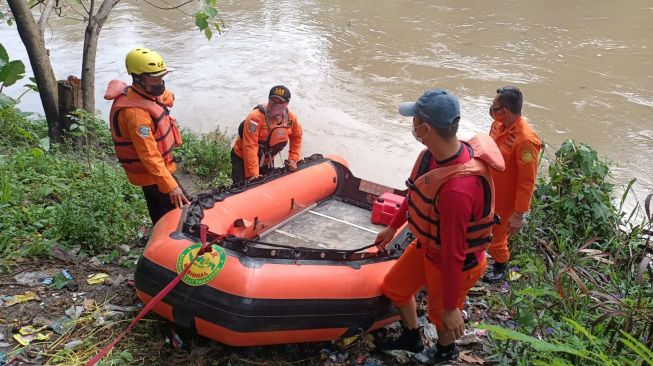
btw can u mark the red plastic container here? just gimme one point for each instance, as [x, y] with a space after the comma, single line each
[384, 208]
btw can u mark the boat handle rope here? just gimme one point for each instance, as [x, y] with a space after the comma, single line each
[205, 248]
[275, 245]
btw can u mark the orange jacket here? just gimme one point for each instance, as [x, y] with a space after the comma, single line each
[256, 129]
[143, 146]
[520, 148]
[423, 219]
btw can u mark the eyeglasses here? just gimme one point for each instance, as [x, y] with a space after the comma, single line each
[496, 109]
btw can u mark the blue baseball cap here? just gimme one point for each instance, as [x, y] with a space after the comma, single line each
[437, 107]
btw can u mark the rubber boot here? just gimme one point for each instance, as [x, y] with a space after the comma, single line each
[410, 340]
[497, 274]
[437, 355]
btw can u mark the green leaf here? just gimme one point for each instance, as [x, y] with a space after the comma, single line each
[637, 347]
[44, 143]
[208, 33]
[210, 11]
[6, 101]
[12, 72]
[59, 281]
[127, 355]
[36, 152]
[200, 21]
[539, 345]
[4, 56]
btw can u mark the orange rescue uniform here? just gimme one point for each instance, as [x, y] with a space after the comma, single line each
[423, 262]
[520, 147]
[134, 129]
[256, 129]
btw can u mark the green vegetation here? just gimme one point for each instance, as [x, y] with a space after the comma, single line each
[579, 299]
[55, 195]
[207, 157]
[74, 194]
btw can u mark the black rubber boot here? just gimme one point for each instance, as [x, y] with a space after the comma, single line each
[437, 355]
[497, 274]
[410, 340]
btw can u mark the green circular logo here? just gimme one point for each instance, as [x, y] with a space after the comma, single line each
[205, 268]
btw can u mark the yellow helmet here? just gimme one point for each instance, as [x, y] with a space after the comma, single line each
[143, 60]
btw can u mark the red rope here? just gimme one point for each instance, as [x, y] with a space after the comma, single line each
[205, 248]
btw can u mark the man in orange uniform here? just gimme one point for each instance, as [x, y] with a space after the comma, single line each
[450, 206]
[520, 148]
[144, 134]
[264, 133]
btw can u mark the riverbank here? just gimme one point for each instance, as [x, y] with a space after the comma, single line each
[574, 294]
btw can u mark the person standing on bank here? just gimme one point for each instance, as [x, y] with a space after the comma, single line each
[266, 130]
[144, 133]
[450, 213]
[520, 147]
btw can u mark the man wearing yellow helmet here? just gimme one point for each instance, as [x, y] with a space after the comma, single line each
[144, 133]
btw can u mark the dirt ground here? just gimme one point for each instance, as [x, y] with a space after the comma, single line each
[71, 320]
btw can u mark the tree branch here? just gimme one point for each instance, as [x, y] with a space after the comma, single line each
[36, 3]
[171, 7]
[90, 12]
[45, 15]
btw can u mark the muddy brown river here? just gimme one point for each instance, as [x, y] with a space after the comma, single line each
[585, 67]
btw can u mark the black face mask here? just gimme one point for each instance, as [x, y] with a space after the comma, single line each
[157, 90]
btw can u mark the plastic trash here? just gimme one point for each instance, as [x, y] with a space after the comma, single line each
[26, 340]
[17, 299]
[514, 276]
[346, 342]
[72, 344]
[28, 330]
[47, 281]
[74, 312]
[67, 275]
[60, 325]
[30, 278]
[97, 278]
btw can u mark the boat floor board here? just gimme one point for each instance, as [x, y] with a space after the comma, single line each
[332, 224]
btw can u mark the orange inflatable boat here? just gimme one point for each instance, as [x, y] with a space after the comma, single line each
[295, 263]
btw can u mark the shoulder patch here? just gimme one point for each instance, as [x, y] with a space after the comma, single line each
[144, 131]
[527, 156]
[253, 125]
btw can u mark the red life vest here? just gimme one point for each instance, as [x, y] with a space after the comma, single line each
[165, 129]
[423, 187]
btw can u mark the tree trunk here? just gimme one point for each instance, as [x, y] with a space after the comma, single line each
[91, 35]
[70, 99]
[40, 61]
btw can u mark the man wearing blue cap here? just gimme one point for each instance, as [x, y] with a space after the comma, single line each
[450, 206]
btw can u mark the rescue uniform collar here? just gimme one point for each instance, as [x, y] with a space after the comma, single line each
[515, 126]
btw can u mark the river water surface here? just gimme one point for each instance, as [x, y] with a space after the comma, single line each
[585, 68]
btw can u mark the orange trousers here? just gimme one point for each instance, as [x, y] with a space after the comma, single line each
[499, 247]
[413, 270]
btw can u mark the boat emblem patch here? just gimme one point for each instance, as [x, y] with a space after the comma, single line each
[205, 268]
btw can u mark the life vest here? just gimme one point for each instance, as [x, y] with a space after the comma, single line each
[423, 187]
[277, 137]
[165, 129]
